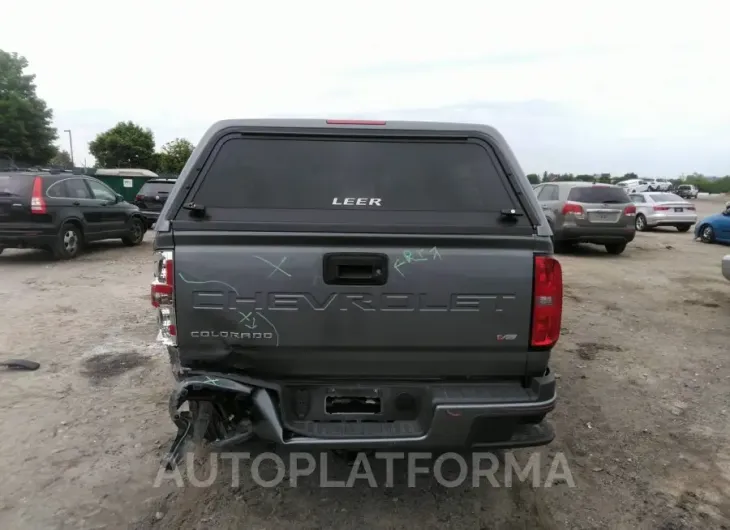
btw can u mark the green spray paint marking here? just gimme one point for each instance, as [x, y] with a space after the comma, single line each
[414, 256]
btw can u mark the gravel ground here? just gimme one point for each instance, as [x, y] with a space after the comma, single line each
[642, 417]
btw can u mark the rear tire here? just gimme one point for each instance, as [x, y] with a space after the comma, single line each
[641, 224]
[136, 233]
[70, 242]
[683, 228]
[615, 248]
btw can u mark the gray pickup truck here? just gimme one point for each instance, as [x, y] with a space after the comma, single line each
[356, 285]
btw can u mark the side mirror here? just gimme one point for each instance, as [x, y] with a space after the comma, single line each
[119, 198]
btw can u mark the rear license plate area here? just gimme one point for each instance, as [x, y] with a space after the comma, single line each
[678, 210]
[352, 402]
[603, 217]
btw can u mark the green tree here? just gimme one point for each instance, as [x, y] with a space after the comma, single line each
[708, 185]
[174, 155]
[26, 134]
[62, 159]
[125, 145]
[533, 178]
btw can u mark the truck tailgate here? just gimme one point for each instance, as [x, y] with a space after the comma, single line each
[303, 308]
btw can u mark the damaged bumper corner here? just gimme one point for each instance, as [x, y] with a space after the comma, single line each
[451, 422]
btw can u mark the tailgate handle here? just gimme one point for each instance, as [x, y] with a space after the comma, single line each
[355, 269]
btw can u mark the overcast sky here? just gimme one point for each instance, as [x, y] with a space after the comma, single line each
[575, 86]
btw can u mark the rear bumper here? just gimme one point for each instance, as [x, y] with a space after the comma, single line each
[658, 219]
[596, 234]
[470, 416]
[150, 215]
[726, 267]
[26, 238]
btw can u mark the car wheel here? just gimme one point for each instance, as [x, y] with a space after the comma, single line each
[136, 232]
[69, 243]
[707, 234]
[684, 228]
[641, 225]
[616, 248]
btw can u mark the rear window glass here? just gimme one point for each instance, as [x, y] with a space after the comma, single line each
[666, 197]
[316, 174]
[155, 188]
[15, 185]
[598, 194]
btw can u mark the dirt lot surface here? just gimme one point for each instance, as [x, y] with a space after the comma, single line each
[643, 415]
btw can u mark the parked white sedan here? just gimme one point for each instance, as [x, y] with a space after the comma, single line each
[663, 209]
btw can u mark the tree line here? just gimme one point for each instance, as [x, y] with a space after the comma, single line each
[27, 136]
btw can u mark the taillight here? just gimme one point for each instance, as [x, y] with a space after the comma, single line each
[138, 197]
[661, 208]
[37, 203]
[547, 302]
[571, 208]
[355, 122]
[162, 297]
[689, 208]
[630, 210]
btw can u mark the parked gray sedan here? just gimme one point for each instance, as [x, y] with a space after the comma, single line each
[663, 209]
[583, 212]
[726, 266]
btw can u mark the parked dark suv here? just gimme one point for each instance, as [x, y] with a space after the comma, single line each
[61, 212]
[151, 198]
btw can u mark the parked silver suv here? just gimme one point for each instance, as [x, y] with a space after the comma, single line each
[582, 212]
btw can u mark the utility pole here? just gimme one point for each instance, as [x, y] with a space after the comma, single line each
[71, 144]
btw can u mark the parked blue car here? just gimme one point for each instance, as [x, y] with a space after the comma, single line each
[715, 228]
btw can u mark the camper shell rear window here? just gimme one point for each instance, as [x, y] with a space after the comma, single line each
[598, 194]
[363, 181]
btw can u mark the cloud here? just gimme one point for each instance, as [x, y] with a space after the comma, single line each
[578, 86]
